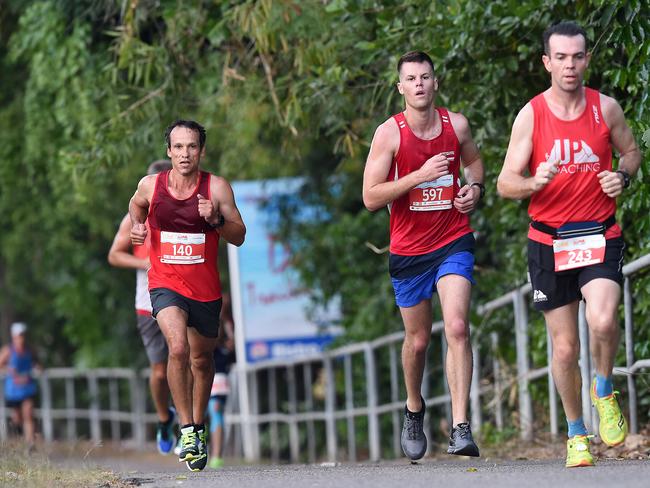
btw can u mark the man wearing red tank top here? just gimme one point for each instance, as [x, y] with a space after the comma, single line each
[187, 210]
[414, 168]
[560, 155]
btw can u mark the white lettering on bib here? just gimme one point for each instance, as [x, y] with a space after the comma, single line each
[578, 252]
[432, 195]
[182, 248]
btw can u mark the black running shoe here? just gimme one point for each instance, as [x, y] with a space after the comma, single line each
[199, 462]
[414, 442]
[189, 444]
[461, 442]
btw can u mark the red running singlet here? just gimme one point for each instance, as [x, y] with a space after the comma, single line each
[425, 218]
[184, 247]
[582, 146]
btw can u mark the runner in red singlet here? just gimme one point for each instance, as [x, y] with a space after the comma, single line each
[560, 155]
[187, 210]
[122, 255]
[414, 168]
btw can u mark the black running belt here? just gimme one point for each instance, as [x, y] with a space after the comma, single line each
[566, 231]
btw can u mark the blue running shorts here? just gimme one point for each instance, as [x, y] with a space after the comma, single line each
[412, 290]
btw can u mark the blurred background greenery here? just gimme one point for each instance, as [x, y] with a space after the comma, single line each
[284, 88]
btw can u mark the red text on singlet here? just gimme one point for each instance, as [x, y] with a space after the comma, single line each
[582, 147]
[142, 299]
[425, 219]
[180, 235]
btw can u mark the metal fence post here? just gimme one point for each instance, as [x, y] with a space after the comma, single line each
[273, 408]
[330, 400]
[349, 407]
[95, 425]
[394, 397]
[71, 423]
[629, 354]
[552, 394]
[46, 407]
[498, 387]
[309, 405]
[114, 400]
[591, 421]
[371, 391]
[294, 438]
[523, 365]
[255, 410]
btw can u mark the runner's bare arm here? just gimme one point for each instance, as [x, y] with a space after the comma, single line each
[233, 230]
[623, 141]
[468, 195]
[377, 192]
[120, 254]
[139, 207]
[512, 182]
[5, 353]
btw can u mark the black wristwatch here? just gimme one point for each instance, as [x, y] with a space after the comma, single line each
[481, 187]
[626, 177]
[222, 221]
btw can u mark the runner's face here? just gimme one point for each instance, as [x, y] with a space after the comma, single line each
[567, 61]
[184, 150]
[418, 85]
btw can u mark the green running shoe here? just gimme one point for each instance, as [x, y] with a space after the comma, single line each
[613, 426]
[199, 462]
[189, 444]
[216, 463]
[577, 452]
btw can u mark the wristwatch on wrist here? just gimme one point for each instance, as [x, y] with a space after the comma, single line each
[626, 177]
[220, 223]
[481, 187]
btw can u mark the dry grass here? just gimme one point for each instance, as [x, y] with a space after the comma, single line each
[18, 468]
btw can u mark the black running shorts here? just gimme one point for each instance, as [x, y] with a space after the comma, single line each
[555, 289]
[203, 316]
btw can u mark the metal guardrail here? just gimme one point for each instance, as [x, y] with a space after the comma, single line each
[112, 403]
[96, 404]
[481, 388]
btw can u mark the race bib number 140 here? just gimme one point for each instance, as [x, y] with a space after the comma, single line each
[578, 251]
[182, 248]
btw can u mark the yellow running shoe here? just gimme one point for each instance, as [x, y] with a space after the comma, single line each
[577, 452]
[612, 426]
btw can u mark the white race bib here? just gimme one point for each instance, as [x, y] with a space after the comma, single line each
[432, 195]
[182, 248]
[578, 252]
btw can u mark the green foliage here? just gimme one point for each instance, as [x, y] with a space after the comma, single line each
[284, 88]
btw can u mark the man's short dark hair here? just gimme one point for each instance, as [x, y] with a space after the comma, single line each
[415, 57]
[188, 124]
[564, 28]
[159, 166]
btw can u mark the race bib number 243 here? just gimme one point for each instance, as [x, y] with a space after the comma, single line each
[578, 252]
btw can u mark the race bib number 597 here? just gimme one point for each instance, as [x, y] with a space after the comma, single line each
[182, 248]
[432, 195]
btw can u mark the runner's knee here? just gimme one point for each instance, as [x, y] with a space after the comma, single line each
[565, 353]
[456, 330]
[179, 351]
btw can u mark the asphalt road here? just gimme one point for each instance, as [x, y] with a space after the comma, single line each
[481, 473]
